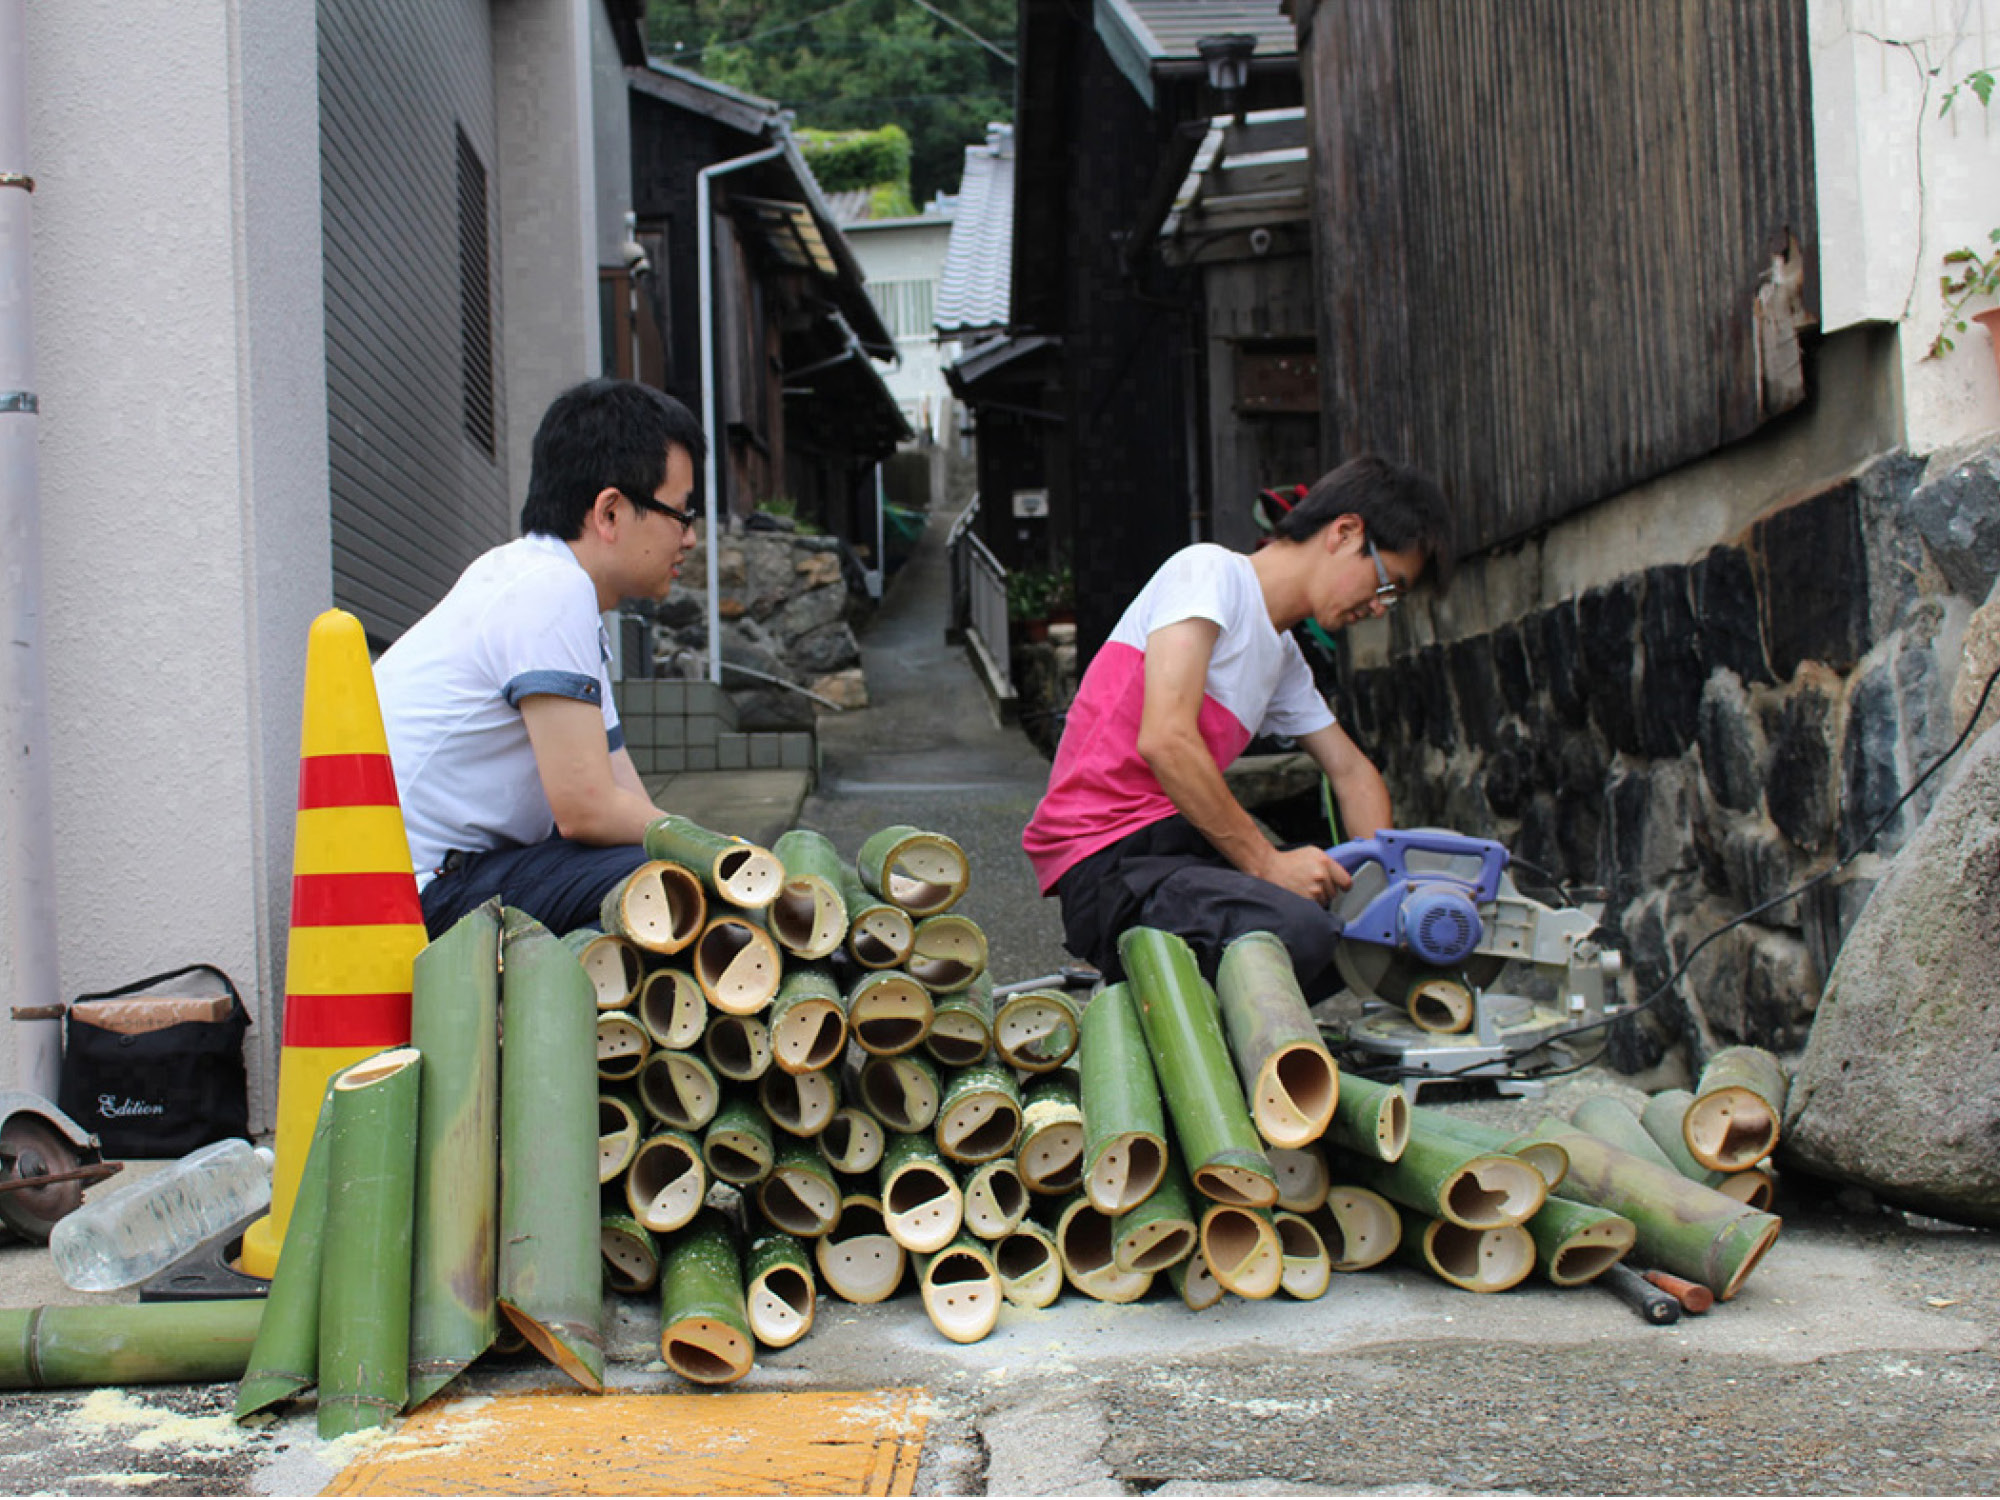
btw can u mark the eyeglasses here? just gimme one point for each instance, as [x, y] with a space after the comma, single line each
[1387, 589]
[686, 517]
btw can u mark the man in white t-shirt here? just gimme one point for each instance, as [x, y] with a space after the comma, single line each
[1138, 827]
[510, 763]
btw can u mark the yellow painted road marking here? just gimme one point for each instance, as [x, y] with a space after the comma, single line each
[558, 1442]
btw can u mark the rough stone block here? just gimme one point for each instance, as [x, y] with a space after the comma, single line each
[1810, 562]
[1559, 661]
[1647, 834]
[1512, 671]
[1800, 788]
[1731, 739]
[1759, 866]
[1469, 665]
[1428, 682]
[1957, 512]
[1607, 621]
[826, 649]
[1978, 661]
[1728, 619]
[1870, 779]
[1671, 673]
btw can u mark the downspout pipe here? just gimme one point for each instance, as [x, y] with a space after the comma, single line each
[711, 386]
[29, 896]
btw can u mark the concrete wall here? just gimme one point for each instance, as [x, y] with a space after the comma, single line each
[912, 250]
[183, 477]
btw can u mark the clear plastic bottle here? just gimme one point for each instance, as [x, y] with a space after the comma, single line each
[143, 1227]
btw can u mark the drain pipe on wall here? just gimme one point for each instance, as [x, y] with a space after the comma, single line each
[30, 897]
[711, 387]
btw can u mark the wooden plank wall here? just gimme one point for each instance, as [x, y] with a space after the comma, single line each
[1541, 226]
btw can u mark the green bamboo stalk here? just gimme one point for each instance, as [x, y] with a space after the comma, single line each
[961, 1031]
[615, 964]
[980, 1117]
[1733, 1122]
[852, 1140]
[455, 1024]
[808, 1019]
[1124, 1122]
[1578, 1242]
[658, 907]
[551, 1284]
[961, 1290]
[859, 1261]
[1160, 1230]
[1241, 1246]
[778, 1291]
[879, 933]
[1036, 1030]
[1303, 1179]
[923, 1207]
[1050, 1152]
[888, 1012]
[285, 1359]
[737, 1147]
[1083, 1240]
[744, 874]
[799, 1104]
[1664, 1118]
[667, 1181]
[129, 1343]
[800, 1195]
[1610, 1121]
[672, 1008]
[704, 1322]
[736, 964]
[737, 1047]
[1306, 1269]
[1682, 1227]
[809, 916]
[1195, 1284]
[1288, 1076]
[1548, 1159]
[1177, 1012]
[1478, 1260]
[1445, 1177]
[364, 1337]
[996, 1200]
[1369, 1118]
[680, 1090]
[946, 953]
[622, 1045]
[902, 1092]
[618, 1132]
[631, 1254]
[924, 873]
[1360, 1229]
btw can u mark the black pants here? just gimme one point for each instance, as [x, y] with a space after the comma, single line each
[558, 882]
[1168, 876]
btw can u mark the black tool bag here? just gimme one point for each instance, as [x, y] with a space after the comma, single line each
[158, 1093]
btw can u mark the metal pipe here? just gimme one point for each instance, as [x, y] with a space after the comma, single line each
[711, 397]
[30, 898]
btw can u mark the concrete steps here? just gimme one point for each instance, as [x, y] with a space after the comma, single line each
[675, 725]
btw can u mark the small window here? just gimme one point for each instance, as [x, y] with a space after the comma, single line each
[475, 296]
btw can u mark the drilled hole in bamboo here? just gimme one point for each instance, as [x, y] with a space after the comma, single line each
[706, 1351]
[622, 1045]
[1051, 1159]
[1392, 1127]
[1296, 1096]
[1441, 1005]
[995, 1202]
[679, 1090]
[629, 1266]
[1126, 1173]
[1158, 1245]
[810, 1037]
[1730, 1129]
[799, 1203]
[797, 1103]
[614, 969]
[980, 1129]
[672, 1009]
[958, 1041]
[852, 1141]
[1480, 1260]
[881, 937]
[780, 1306]
[1575, 1264]
[665, 1185]
[749, 876]
[900, 1096]
[663, 906]
[739, 1047]
[1493, 1190]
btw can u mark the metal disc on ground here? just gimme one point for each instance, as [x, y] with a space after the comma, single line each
[31, 1147]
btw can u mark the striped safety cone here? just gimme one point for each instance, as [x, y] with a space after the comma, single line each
[356, 925]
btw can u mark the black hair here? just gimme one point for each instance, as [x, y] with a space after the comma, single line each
[603, 434]
[1400, 508]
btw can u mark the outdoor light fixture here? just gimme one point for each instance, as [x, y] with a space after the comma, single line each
[1227, 58]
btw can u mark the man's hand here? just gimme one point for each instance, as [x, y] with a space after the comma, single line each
[1306, 872]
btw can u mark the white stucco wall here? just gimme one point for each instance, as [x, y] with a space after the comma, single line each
[1899, 186]
[177, 293]
[911, 250]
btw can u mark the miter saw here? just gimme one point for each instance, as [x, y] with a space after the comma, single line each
[1434, 934]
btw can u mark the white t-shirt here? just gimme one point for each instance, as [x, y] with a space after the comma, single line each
[522, 619]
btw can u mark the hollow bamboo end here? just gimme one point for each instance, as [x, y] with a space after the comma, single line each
[747, 876]
[708, 1351]
[958, 1040]
[1591, 1252]
[808, 918]
[631, 1266]
[672, 1009]
[1306, 1268]
[1730, 1129]
[1366, 1229]
[903, 1097]
[864, 1268]
[1036, 1031]
[661, 906]
[880, 937]
[1154, 1247]
[1479, 1260]
[612, 962]
[1763, 1236]
[1392, 1126]
[574, 1348]
[1491, 1191]
[1294, 1098]
[1127, 1170]
[737, 966]
[996, 1201]
[1030, 1271]
[799, 1104]
[666, 1184]
[979, 1129]
[372, 1070]
[922, 1209]
[1235, 1185]
[1197, 1284]
[961, 1294]
[1242, 1251]
[1443, 1006]
[851, 1142]
[679, 1091]
[1302, 1177]
[1051, 1159]
[617, 1138]
[924, 874]
[622, 1045]
[890, 1015]
[780, 1306]
[1753, 1186]
[811, 1036]
[799, 1203]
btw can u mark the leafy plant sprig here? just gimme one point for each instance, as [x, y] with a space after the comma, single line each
[1969, 275]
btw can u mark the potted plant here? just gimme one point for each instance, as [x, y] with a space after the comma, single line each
[1028, 602]
[1061, 601]
[1970, 274]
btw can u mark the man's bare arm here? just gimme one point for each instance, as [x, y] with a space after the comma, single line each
[593, 801]
[1358, 788]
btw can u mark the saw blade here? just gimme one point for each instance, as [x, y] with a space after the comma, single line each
[31, 1147]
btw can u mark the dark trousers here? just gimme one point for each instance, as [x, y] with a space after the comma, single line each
[558, 882]
[1168, 876]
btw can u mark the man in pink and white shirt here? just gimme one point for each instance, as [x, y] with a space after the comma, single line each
[1138, 827]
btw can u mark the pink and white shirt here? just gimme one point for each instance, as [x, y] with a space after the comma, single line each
[1100, 788]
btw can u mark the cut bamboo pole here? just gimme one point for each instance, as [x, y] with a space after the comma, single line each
[1288, 1076]
[631, 1254]
[946, 953]
[1682, 1227]
[1577, 1242]
[680, 1090]
[658, 907]
[1444, 1177]
[961, 1291]
[736, 964]
[961, 1032]
[1029, 1266]
[737, 1147]
[778, 1292]
[666, 1182]
[996, 1200]
[799, 1104]
[1548, 1159]
[1753, 1185]
[859, 1261]
[1610, 1121]
[1050, 1151]
[923, 1206]
[704, 1323]
[1360, 1229]
[1083, 1239]
[1306, 1268]
[364, 1339]
[980, 1117]
[1479, 1260]
[672, 1008]
[800, 1195]
[808, 1020]
[1664, 1118]
[808, 917]
[618, 1134]
[616, 965]
[129, 1343]
[888, 1013]
[1303, 1179]
[737, 1047]
[852, 1141]
[1733, 1122]
[1177, 1011]
[1241, 1247]
[1159, 1231]
[1035, 1030]
[924, 873]
[285, 1358]
[622, 1046]
[1124, 1121]
[739, 872]
[1369, 1118]
[455, 1025]
[901, 1091]
[1439, 1003]
[879, 933]
[1195, 1284]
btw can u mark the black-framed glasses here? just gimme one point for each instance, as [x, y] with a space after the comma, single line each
[687, 517]
[1387, 589]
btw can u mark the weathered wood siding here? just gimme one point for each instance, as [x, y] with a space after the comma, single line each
[1260, 320]
[1541, 227]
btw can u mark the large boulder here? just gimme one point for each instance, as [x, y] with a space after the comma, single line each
[1899, 1087]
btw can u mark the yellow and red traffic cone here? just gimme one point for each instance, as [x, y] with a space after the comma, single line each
[357, 926]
